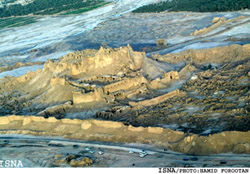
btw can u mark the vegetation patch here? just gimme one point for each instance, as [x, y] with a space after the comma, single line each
[195, 6]
[16, 21]
[82, 10]
[49, 7]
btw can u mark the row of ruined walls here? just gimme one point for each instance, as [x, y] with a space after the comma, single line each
[99, 94]
[156, 100]
[109, 131]
[82, 97]
[85, 124]
[103, 79]
[166, 78]
[125, 84]
[218, 55]
[216, 22]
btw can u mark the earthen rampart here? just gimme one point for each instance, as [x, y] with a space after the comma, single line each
[108, 131]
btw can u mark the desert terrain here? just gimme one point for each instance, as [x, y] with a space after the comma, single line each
[173, 83]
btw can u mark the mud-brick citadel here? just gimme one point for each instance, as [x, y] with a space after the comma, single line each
[106, 75]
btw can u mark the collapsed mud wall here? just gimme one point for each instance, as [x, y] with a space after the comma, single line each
[29, 75]
[108, 131]
[165, 79]
[155, 100]
[216, 22]
[82, 97]
[102, 79]
[125, 84]
[109, 61]
[212, 55]
[57, 81]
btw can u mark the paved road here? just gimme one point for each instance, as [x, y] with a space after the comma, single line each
[40, 151]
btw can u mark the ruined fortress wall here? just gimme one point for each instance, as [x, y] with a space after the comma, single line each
[132, 93]
[79, 97]
[207, 30]
[62, 66]
[216, 22]
[108, 131]
[103, 79]
[125, 84]
[29, 75]
[211, 55]
[92, 78]
[172, 75]
[104, 61]
[56, 67]
[109, 61]
[83, 97]
[108, 124]
[135, 129]
[85, 124]
[57, 81]
[156, 84]
[217, 19]
[49, 65]
[166, 78]
[137, 59]
[161, 42]
[78, 68]
[220, 54]
[156, 130]
[156, 100]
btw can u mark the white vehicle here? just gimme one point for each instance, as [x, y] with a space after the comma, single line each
[91, 151]
[100, 152]
[131, 151]
[87, 148]
[143, 153]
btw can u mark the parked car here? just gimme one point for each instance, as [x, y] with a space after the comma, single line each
[143, 153]
[100, 152]
[91, 151]
[87, 148]
[131, 151]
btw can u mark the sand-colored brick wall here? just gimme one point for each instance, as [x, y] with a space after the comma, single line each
[125, 84]
[156, 100]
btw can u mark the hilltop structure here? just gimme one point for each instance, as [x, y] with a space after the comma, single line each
[122, 84]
